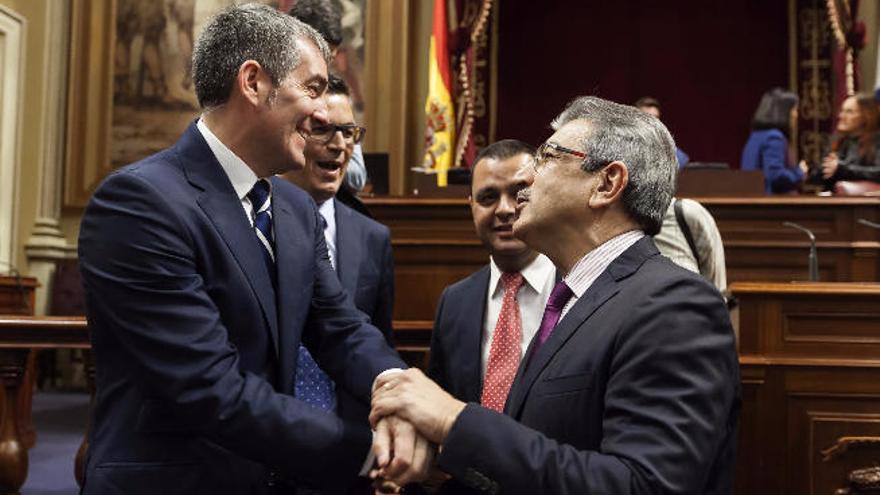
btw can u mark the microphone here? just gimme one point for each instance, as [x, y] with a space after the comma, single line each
[813, 258]
[868, 223]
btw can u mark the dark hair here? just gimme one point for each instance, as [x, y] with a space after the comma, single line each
[774, 111]
[337, 86]
[247, 32]
[868, 133]
[323, 15]
[502, 150]
[647, 101]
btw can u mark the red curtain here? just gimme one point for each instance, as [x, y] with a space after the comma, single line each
[707, 61]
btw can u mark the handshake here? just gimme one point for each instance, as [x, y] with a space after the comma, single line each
[411, 417]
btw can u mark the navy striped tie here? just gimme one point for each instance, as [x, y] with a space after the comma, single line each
[312, 385]
[262, 203]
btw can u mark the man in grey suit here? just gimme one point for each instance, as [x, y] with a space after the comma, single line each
[632, 383]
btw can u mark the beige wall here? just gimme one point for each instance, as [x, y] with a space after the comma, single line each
[32, 105]
[40, 130]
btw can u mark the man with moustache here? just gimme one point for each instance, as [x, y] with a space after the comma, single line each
[203, 273]
[475, 353]
[359, 247]
[632, 382]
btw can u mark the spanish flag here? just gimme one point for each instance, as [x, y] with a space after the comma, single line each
[439, 110]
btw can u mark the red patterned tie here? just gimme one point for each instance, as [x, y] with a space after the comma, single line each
[506, 347]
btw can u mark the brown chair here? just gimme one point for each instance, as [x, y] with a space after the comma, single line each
[856, 188]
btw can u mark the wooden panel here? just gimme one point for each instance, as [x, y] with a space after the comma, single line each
[434, 246]
[810, 365]
[434, 242]
[798, 320]
[17, 295]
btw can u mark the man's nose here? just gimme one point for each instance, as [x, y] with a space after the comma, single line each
[320, 113]
[337, 141]
[506, 206]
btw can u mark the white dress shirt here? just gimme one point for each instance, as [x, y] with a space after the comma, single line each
[240, 175]
[539, 276]
[327, 209]
[588, 268]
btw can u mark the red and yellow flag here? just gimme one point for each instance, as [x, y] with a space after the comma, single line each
[439, 110]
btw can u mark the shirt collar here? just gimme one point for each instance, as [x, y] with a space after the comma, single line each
[534, 274]
[588, 268]
[328, 211]
[240, 175]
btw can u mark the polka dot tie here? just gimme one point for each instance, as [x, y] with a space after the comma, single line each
[311, 384]
[506, 347]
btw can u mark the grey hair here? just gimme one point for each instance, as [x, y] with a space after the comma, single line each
[639, 140]
[247, 32]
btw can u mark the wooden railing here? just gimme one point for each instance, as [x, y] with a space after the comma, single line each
[20, 338]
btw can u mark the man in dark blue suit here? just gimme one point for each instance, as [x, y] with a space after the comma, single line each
[359, 247]
[632, 383]
[203, 273]
[464, 343]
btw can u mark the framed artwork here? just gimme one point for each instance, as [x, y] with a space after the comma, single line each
[130, 93]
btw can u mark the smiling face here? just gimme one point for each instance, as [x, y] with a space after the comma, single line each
[326, 162]
[289, 111]
[493, 204]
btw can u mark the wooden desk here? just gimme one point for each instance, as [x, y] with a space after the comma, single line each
[759, 248]
[435, 244]
[20, 336]
[810, 363]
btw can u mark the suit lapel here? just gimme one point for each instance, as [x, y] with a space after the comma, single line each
[348, 248]
[603, 289]
[293, 263]
[472, 335]
[223, 207]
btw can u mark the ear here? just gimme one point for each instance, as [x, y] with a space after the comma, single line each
[252, 82]
[612, 180]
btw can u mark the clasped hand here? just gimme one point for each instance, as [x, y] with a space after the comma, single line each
[411, 416]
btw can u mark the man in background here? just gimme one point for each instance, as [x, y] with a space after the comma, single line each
[632, 383]
[359, 247]
[690, 238]
[326, 18]
[651, 106]
[485, 322]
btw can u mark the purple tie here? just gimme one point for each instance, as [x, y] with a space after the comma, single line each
[558, 297]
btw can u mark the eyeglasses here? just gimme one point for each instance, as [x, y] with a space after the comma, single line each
[544, 154]
[351, 133]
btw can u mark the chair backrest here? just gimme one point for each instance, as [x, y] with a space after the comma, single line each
[66, 296]
[701, 182]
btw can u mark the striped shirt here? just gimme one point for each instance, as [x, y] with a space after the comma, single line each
[588, 268]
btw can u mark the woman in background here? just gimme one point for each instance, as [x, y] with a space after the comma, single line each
[767, 149]
[854, 154]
